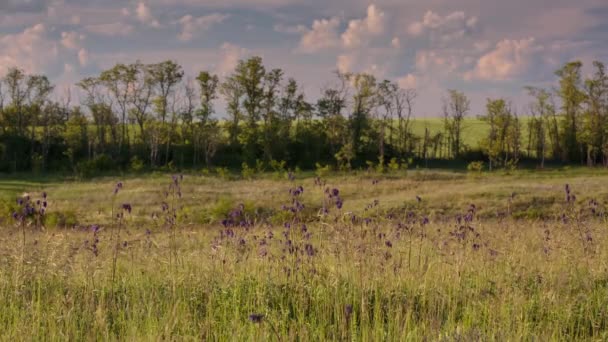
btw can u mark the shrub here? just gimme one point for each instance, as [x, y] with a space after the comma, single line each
[246, 171]
[100, 163]
[65, 219]
[136, 164]
[476, 166]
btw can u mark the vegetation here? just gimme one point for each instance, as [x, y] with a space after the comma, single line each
[391, 255]
[152, 117]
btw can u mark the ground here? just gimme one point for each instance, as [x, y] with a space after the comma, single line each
[360, 256]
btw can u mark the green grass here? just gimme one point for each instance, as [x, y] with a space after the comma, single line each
[520, 272]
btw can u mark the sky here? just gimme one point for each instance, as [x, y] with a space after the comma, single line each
[485, 48]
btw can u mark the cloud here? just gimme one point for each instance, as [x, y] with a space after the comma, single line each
[144, 15]
[71, 40]
[282, 28]
[229, 58]
[29, 50]
[345, 63]
[396, 43]
[191, 25]
[359, 31]
[111, 29]
[83, 57]
[23, 5]
[322, 35]
[510, 58]
[437, 62]
[444, 28]
[408, 81]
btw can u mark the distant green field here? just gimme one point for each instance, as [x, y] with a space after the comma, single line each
[474, 130]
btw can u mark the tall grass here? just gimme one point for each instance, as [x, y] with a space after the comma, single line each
[370, 274]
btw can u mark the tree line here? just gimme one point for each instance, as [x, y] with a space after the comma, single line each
[152, 116]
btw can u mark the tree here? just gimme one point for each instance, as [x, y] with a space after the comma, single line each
[330, 108]
[572, 97]
[455, 109]
[166, 76]
[141, 97]
[595, 115]
[250, 75]
[207, 130]
[272, 83]
[233, 92]
[364, 101]
[119, 81]
[503, 141]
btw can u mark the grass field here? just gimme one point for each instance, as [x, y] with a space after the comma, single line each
[360, 256]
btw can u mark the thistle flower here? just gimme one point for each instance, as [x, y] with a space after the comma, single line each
[348, 311]
[256, 318]
[127, 207]
[310, 251]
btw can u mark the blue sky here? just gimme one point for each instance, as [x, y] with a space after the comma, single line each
[484, 48]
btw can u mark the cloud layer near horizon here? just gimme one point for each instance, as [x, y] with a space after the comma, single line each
[490, 49]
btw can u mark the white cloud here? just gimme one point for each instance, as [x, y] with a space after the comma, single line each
[437, 62]
[71, 40]
[408, 81]
[396, 43]
[323, 34]
[83, 57]
[359, 31]
[507, 60]
[29, 50]
[229, 58]
[144, 15]
[444, 28]
[282, 28]
[345, 63]
[191, 25]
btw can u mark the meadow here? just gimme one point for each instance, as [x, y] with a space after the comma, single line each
[409, 255]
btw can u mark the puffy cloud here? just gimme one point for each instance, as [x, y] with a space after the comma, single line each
[507, 60]
[359, 31]
[83, 57]
[71, 40]
[229, 58]
[191, 25]
[29, 50]
[408, 81]
[345, 63]
[445, 28]
[438, 62]
[144, 15]
[323, 34]
[396, 43]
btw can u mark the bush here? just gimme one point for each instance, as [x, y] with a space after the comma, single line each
[476, 166]
[136, 164]
[246, 171]
[100, 163]
[66, 219]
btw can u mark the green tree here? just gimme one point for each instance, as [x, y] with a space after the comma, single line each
[455, 109]
[572, 98]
